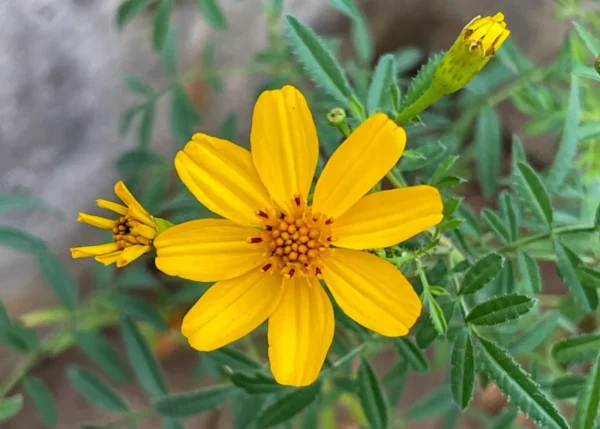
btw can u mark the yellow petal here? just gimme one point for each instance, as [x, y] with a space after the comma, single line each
[130, 254]
[230, 309]
[109, 258]
[371, 291]
[221, 176]
[358, 164]
[386, 218]
[284, 143]
[100, 249]
[144, 231]
[300, 332]
[208, 250]
[109, 205]
[97, 221]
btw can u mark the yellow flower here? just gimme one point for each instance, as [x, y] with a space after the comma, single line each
[475, 45]
[133, 231]
[272, 249]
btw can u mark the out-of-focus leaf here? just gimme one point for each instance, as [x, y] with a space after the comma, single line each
[161, 23]
[487, 147]
[409, 352]
[190, 403]
[568, 262]
[95, 390]
[509, 215]
[100, 351]
[42, 398]
[255, 383]
[589, 399]
[495, 224]
[371, 397]
[529, 272]
[592, 43]
[288, 406]
[10, 406]
[434, 404]
[407, 58]
[138, 309]
[581, 347]
[384, 77]
[394, 381]
[58, 277]
[588, 277]
[567, 387]
[212, 11]
[145, 126]
[536, 335]
[246, 410]
[10, 203]
[129, 8]
[183, 115]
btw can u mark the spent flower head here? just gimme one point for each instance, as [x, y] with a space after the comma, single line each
[274, 246]
[133, 231]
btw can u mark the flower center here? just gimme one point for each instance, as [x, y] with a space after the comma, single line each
[126, 232]
[295, 240]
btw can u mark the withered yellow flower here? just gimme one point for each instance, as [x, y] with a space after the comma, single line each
[133, 231]
[270, 253]
[475, 46]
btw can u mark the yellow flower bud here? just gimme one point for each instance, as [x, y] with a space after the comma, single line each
[476, 44]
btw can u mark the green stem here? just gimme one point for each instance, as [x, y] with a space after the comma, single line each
[396, 178]
[570, 229]
[429, 97]
[19, 372]
[347, 357]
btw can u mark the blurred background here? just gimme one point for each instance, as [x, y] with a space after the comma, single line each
[63, 64]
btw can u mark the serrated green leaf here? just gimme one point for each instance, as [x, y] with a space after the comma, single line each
[426, 331]
[450, 182]
[442, 169]
[437, 317]
[130, 8]
[588, 277]
[138, 309]
[161, 23]
[100, 351]
[95, 390]
[516, 384]
[487, 143]
[567, 263]
[10, 406]
[409, 352]
[567, 387]
[384, 77]
[371, 397]
[450, 206]
[462, 369]
[430, 151]
[581, 347]
[434, 404]
[509, 215]
[142, 361]
[567, 148]
[536, 193]
[42, 398]
[481, 273]
[500, 309]
[529, 272]
[213, 13]
[288, 406]
[590, 41]
[394, 381]
[589, 399]
[536, 335]
[320, 64]
[495, 224]
[255, 383]
[422, 80]
[190, 403]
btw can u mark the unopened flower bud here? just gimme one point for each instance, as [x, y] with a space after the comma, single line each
[336, 116]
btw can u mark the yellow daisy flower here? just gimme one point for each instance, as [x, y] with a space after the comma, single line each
[272, 249]
[133, 232]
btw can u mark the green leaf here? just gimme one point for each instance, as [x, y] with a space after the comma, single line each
[487, 142]
[567, 148]
[245, 414]
[183, 115]
[138, 309]
[20, 202]
[591, 42]
[139, 159]
[161, 23]
[426, 332]
[430, 151]
[567, 263]
[4, 319]
[509, 215]
[516, 384]
[505, 418]
[470, 225]
[168, 53]
[101, 352]
[10, 406]
[536, 193]
[95, 390]
[450, 206]
[130, 8]
[320, 64]
[19, 337]
[19, 240]
[567, 387]
[422, 81]
[500, 309]
[233, 358]
[145, 126]
[255, 383]
[437, 316]
[409, 352]
[581, 347]
[141, 359]
[589, 399]
[481, 273]
[536, 335]
[529, 272]
[588, 277]
[42, 398]
[58, 277]
[190, 403]
[228, 127]
[462, 369]
[597, 217]
[136, 86]
[371, 397]
[436, 403]
[137, 276]
[172, 424]
[442, 169]
[495, 224]
[360, 32]
[408, 58]
[213, 13]
[395, 380]
[288, 406]
[384, 77]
